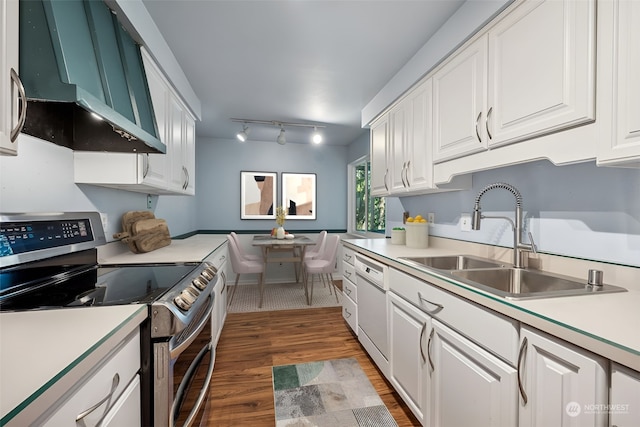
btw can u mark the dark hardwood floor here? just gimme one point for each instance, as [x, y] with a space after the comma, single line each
[251, 343]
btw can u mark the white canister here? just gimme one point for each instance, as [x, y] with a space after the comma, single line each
[280, 233]
[417, 235]
[398, 237]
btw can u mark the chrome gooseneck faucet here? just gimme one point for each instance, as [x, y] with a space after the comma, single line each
[518, 246]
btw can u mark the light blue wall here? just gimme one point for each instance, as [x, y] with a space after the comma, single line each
[580, 210]
[220, 161]
[40, 179]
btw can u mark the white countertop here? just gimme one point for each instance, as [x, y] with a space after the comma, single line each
[606, 324]
[192, 249]
[43, 353]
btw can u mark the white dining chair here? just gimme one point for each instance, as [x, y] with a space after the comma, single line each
[242, 265]
[243, 253]
[317, 249]
[323, 266]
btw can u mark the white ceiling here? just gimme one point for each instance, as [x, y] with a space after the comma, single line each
[304, 61]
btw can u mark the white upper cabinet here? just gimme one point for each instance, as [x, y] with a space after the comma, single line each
[412, 143]
[560, 382]
[9, 78]
[170, 173]
[378, 156]
[532, 73]
[619, 145]
[459, 103]
[541, 70]
[401, 145]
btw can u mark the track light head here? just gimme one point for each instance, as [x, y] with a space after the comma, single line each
[243, 134]
[281, 138]
[317, 136]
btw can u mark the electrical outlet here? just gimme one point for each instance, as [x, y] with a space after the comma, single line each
[431, 218]
[465, 222]
[105, 222]
[149, 201]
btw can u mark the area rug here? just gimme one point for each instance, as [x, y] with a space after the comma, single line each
[280, 296]
[332, 393]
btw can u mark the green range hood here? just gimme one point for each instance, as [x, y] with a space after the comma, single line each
[84, 78]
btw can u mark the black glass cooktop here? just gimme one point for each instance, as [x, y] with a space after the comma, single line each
[43, 286]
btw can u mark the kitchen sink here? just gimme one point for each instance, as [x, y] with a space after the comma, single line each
[518, 284]
[454, 262]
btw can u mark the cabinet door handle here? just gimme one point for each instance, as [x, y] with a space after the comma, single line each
[406, 174]
[521, 354]
[346, 313]
[424, 328]
[348, 291]
[438, 306]
[429, 348]
[23, 103]
[477, 121]
[114, 386]
[145, 165]
[385, 180]
[487, 123]
[404, 165]
[347, 257]
[347, 273]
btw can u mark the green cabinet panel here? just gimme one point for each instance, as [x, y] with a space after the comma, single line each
[77, 52]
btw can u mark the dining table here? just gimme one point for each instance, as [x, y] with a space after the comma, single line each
[295, 247]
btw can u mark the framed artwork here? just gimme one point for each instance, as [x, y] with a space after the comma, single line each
[299, 195]
[258, 195]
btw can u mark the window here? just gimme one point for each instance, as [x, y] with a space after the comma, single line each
[367, 213]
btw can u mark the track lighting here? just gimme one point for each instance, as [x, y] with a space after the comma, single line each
[243, 134]
[281, 139]
[317, 136]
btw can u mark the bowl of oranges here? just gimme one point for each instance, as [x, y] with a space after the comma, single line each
[417, 232]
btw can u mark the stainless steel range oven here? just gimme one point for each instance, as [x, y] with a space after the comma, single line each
[49, 261]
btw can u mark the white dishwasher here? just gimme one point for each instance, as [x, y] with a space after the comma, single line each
[372, 310]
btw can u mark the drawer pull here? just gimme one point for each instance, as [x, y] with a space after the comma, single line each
[523, 347]
[347, 257]
[348, 291]
[438, 306]
[347, 273]
[424, 328]
[346, 313]
[114, 386]
[429, 349]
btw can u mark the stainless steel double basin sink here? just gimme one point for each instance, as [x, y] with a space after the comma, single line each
[503, 280]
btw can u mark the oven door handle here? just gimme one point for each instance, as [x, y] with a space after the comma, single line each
[177, 350]
[177, 403]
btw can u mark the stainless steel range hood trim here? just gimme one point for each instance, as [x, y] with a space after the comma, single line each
[48, 66]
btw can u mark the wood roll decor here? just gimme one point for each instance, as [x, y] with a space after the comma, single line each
[143, 232]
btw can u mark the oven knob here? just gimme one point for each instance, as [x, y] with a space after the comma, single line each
[207, 273]
[188, 296]
[181, 303]
[199, 283]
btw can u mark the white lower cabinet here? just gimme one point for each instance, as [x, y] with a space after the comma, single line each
[126, 411]
[564, 385]
[408, 366]
[624, 401]
[219, 260]
[350, 293]
[469, 386]
[111, 395]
